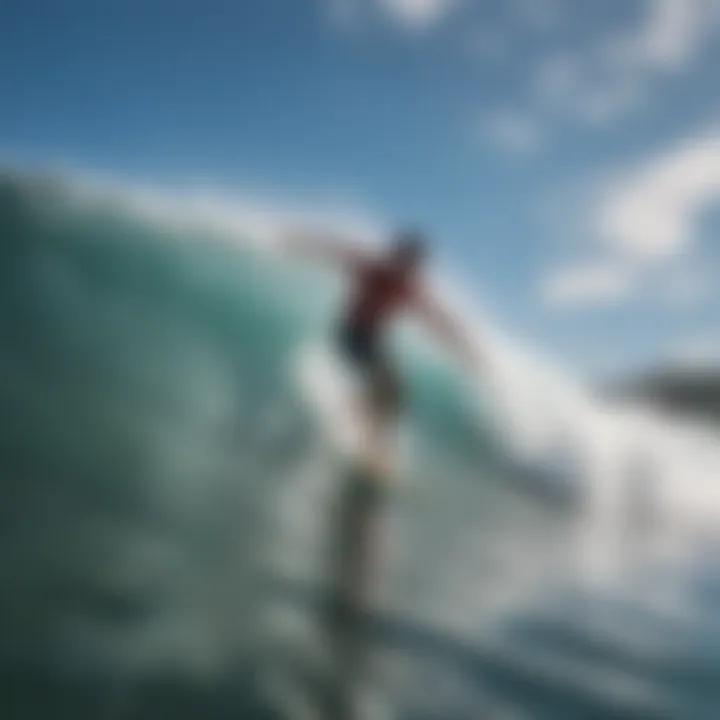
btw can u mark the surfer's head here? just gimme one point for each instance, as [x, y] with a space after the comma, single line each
[409, 249]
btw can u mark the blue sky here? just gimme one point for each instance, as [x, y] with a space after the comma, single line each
[564, 153]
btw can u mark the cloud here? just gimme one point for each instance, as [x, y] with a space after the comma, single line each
[567, 83]
[587, 284]
[654, 210]
[614, 75]
[645, 229]
[512, 131]
[408, 15]
[671, 33]
[417, 14]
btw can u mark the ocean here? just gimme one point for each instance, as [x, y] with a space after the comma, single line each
[173, 433]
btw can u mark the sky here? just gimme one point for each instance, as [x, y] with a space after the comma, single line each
[563, 154]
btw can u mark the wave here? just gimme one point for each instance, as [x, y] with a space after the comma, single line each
[169, 404]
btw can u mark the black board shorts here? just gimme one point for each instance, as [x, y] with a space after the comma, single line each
[361, 346]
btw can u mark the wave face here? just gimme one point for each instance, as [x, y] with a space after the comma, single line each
[168, 402]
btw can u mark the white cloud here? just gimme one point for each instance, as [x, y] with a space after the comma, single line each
[654, 210]
[513, 132]
[411, 15]
[671, 33]
[645, 226]
[588, 284]
[567, 83]
[417, 14]
[614, 75]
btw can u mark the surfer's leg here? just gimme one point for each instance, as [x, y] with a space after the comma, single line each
[362, 529]
[377, 408]
[378, 405]
[353, 542]
[357, 518]
[373, 475]
[382, 415]
[385, 389]
[355, 547]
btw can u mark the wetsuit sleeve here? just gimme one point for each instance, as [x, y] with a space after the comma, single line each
[445, 326]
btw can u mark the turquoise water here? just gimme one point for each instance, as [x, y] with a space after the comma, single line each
[160, 464]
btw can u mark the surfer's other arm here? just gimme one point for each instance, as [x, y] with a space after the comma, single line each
[327, 247]
[447, 329]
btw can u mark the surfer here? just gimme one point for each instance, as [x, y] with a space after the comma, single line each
[382, 286]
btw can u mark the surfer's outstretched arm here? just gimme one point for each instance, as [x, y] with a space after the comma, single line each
[325, 246]
[449, 330]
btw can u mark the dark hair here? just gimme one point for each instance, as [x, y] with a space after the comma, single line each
[410, 245]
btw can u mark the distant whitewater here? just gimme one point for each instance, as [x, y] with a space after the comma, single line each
[170, 422]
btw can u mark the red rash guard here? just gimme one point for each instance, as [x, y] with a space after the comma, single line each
[380, 291]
